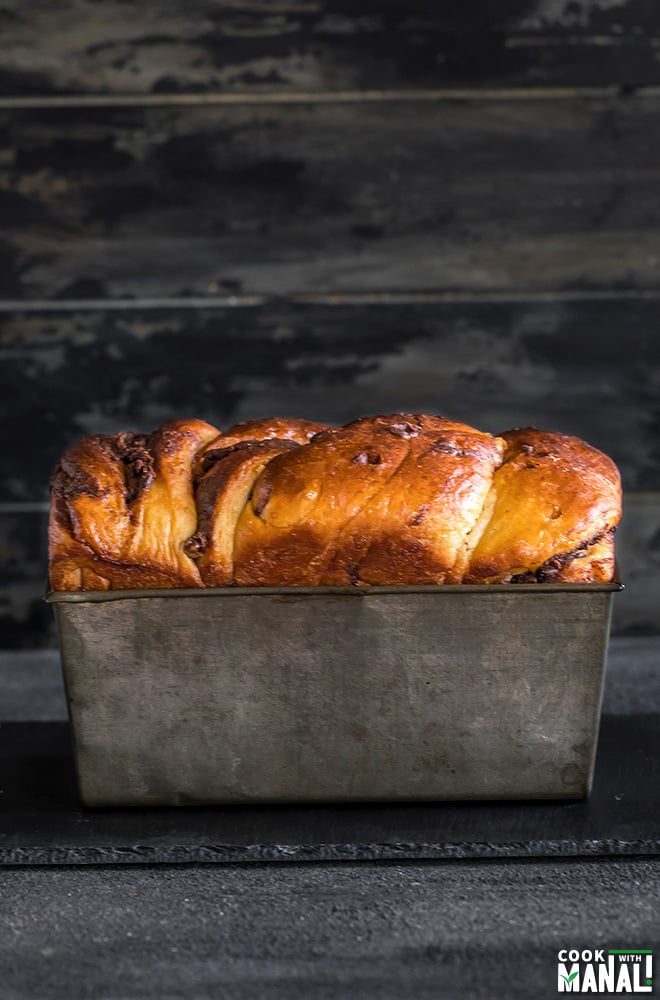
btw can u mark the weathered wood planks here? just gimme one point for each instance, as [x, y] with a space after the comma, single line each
[586, 368]
[297, 46]
[506, 196]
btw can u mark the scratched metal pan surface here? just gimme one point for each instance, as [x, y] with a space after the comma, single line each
[329, 694]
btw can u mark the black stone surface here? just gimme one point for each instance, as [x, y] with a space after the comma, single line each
[42, 822]
[488, 930]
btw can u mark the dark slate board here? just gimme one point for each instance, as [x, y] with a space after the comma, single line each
[42, 823]
[492, 195]
[589, 368]
[164, 46]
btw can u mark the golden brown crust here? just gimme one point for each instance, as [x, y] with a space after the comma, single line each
[399, 499]
[552, 496]
[381, 500]
[122, 507]
[586, 563]
[282, 428]
[222, 494]
[285, 428]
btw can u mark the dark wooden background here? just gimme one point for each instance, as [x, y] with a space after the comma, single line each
[326, 208]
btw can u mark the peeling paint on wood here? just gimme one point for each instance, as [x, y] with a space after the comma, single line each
[637, 608]
[199, 201]
[163, 46]
[591, 369]
[25, 620]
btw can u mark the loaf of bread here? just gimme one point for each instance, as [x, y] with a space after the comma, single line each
[401, 499]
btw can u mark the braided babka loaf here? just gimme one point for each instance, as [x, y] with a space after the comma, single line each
[402, 499]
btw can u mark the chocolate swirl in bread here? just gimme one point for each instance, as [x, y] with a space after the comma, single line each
[401, 499]
[122, 508]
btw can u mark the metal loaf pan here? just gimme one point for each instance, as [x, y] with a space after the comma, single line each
[239, 695]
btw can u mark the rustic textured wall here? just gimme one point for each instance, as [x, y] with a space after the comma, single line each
[327, 208]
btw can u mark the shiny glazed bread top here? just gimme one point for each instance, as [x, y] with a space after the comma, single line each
[400, 499]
